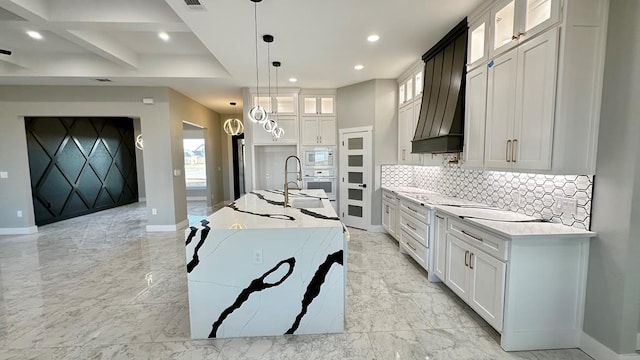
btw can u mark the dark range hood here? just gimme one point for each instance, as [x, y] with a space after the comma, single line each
[440, 127]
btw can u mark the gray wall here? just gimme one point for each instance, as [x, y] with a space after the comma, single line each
[372, 103]
[613, 291]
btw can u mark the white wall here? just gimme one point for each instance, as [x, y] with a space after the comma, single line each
[613, 293]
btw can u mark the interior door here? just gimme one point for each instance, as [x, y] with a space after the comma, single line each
[355, 177]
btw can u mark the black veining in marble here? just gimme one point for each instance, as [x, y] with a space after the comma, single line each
[195, 260]
[272, 202]
[193, 232]
[273, 216]
[318, 216]
[280, 192]
[313, 289]
[255, 286]
[506, 221]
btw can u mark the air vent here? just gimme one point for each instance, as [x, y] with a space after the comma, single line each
[194, 4]
[103, 80]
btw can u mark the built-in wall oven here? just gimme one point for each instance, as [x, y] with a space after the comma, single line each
[318, 157]
[324, 179]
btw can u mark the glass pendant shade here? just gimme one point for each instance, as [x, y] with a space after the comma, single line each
[233, 127]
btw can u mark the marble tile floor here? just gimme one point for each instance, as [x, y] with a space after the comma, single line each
[100, 287]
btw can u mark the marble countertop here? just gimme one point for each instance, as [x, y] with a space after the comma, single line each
[263, 209]
[502, 222]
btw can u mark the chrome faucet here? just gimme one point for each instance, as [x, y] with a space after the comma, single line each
[297, 182]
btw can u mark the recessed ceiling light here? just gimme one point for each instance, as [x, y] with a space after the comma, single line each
[293, 80]
[34, 34]
[164, 36]
[373, 38]
[359, 67]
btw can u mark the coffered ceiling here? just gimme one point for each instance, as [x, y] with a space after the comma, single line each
[211, 51]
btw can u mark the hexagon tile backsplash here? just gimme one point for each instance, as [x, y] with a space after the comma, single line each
[530, 194]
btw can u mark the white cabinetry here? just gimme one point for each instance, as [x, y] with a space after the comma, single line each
[544, 82]
[440, 247]
[318, 131]
[281, 104]
[288, 123]
[414, 231]
[390, 213]
[521, 103]
[475, 117]
[320, 105]
[529, 288]
[410, 86]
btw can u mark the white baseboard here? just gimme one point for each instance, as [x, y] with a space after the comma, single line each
[598, 351]
[19, 231]
[638, 342]
[376, 229]
[168, 228]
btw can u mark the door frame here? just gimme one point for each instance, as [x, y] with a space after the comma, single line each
[342, 168]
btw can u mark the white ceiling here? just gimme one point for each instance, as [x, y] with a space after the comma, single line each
[211, 53]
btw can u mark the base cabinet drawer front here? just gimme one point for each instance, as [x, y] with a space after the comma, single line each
[388, 195]
[487, 284]
[419, 212]
[487, 242]
[412, 247]
[417, 229]
[457, 274]
[440, 247]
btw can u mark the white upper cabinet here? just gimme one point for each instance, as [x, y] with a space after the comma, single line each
[515, 21]
[544, 70]
[288, 124]
[478, 51]
[318, 131]
[281, 104]
[314, 105]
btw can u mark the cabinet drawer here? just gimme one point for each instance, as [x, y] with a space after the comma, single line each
[489, 243]
[419, 212]
[389, 196]
[416, 229]
[412, 247]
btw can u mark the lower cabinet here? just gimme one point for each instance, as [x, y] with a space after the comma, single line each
[440, 247]
[478, 278]
[390, 218]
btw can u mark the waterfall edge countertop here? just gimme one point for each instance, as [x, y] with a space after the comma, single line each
[263, 209]
[502, 222]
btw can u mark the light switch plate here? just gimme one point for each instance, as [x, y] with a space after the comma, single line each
[4, 174]
[176, 172]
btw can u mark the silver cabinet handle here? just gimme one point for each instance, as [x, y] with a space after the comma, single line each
[513, 151]
[387, 209]
[409, 245]
[404, 154]
[411, 227]
[410, 208]
[472, 236]
[508, 157]
[466, 258]
[471, 261]
[439, 217]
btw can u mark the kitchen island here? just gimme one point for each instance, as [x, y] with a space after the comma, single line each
[256, 268]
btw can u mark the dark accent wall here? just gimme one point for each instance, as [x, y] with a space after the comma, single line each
[80, 165]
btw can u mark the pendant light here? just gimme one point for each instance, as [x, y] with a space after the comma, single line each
[277, 131]
[257, 114]
[233, 126]
[270, 124]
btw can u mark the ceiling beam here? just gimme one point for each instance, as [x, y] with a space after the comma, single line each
[103, 46]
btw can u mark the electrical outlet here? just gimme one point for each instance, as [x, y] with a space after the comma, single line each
[566, 206]
[4, 175]
[154, 211]
[257, 256]
[19, 213]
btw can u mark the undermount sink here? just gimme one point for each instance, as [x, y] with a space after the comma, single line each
[306, 203]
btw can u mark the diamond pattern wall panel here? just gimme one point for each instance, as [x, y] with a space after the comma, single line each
[80, 165]
[530, 194]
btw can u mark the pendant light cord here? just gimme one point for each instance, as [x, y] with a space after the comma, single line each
[255, 13]
[269, 67]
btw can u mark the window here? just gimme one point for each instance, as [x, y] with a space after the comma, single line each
[195, 168]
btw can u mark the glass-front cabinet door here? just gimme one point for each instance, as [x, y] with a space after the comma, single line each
[285, 104]
[318, 105]
[503, 18]
[538, 15]
[264, 101]
[478, 36]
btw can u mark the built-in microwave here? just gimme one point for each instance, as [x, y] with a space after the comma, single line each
[318, 157]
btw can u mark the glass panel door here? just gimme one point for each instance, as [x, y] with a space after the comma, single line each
[355, 172]
[310, 105]
[326, 105]
[285, 105]
[263, 101]
[504, 21]
[477, 43]
[538, 11]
